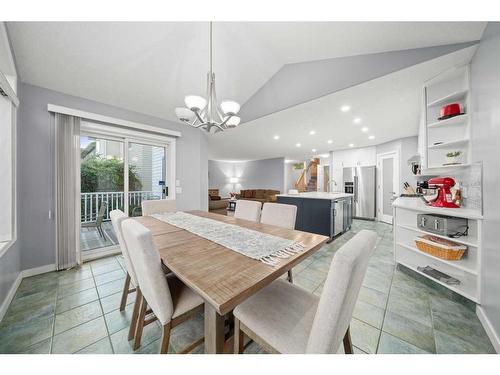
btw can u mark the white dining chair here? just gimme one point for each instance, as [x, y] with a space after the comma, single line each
[131, 284]
[169, 299]
[248, 210]
[284, 318]
[157, 206]
[280, 215]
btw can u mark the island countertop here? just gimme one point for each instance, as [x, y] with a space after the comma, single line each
[317, 195]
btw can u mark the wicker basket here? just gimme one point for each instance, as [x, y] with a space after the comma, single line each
[440, 247]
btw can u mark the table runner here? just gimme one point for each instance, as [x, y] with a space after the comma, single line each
[253, 244]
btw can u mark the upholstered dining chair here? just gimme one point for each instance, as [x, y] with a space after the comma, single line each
[157, 206]
[281, 215]
[169, 299]
[248, 210]
[131, 285]
[285, 318]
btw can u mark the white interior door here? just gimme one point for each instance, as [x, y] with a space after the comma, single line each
[388, 184]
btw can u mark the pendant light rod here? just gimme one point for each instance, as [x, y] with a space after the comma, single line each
[210, 47]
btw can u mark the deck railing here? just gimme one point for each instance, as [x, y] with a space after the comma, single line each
[91, 202]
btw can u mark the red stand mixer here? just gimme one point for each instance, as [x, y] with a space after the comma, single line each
[444, 198]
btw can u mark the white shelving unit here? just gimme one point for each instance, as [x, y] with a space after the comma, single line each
[467, 269]
[439, 137]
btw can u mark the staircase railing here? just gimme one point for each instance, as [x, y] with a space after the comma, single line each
[310, 171]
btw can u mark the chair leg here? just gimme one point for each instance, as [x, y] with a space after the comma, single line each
[135, 313]
[126, 287]
[290, 276]
[238, 337]
[140, 324]
[165, 340]
[347, 342]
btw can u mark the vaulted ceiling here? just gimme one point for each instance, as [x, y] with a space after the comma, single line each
[150, 67]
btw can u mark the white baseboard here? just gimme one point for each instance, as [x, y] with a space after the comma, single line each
[488, 327]
[38, 270]
[21, 275]
[10, 295]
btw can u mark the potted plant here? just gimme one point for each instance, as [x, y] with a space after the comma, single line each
[453, 157]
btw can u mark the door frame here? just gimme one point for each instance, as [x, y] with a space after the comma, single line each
[380, 189]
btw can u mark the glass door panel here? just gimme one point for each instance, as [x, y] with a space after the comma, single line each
[147, 175]
[102, 190]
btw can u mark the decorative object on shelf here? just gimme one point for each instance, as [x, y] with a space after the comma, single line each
[440, 248]
[414, 163]
[206, 113]
[444, 198]
[453, 158]
[435, 274]
[298, 166]
[449, 111]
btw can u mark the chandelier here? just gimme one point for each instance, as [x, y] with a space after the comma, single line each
[206, 113]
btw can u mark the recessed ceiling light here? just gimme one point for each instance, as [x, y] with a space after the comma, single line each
[324, 155]
[357, 120]
[351, 144]
[364, 129]
[312, 132]
[276, 137]
[371, 137]
[313, 150]
[298, 145]
[345, 108]
[329, 141]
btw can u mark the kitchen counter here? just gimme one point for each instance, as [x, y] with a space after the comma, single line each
[318, 195]
[416, 204]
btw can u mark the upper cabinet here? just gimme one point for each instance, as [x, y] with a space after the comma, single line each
[444, 139]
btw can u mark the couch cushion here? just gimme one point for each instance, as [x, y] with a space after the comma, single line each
[260, 193]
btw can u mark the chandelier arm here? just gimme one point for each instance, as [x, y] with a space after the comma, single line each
[198, 116]
[226, 120]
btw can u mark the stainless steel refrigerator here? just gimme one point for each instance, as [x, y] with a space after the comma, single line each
[361, 181]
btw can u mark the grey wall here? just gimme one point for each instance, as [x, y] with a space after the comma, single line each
[255, 174]
[36, 166]
[485, 87]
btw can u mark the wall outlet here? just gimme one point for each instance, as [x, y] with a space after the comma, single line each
[178, 190]
[177, 182]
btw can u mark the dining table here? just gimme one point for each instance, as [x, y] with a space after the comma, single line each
[222, 277]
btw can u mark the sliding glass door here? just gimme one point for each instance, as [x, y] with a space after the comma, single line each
[116, 173]
[147, 168]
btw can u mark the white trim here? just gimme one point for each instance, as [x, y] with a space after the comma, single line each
[111, 120]
[379, 188]
[100, 253]
[20, 276]
[488, 327]
[5, 85]
[38, 270]
[10, 295]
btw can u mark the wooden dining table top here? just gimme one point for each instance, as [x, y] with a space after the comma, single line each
[223, 277]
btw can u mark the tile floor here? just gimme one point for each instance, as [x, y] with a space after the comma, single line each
[76, 311]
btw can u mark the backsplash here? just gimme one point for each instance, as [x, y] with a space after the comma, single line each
[471, 181]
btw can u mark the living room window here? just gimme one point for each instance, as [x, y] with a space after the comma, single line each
[8, 103]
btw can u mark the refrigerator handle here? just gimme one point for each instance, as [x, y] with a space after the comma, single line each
[355, 188]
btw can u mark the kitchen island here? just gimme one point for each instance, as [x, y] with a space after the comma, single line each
[329, 214]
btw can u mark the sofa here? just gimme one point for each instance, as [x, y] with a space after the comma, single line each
[215, 202]
[260, 195]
